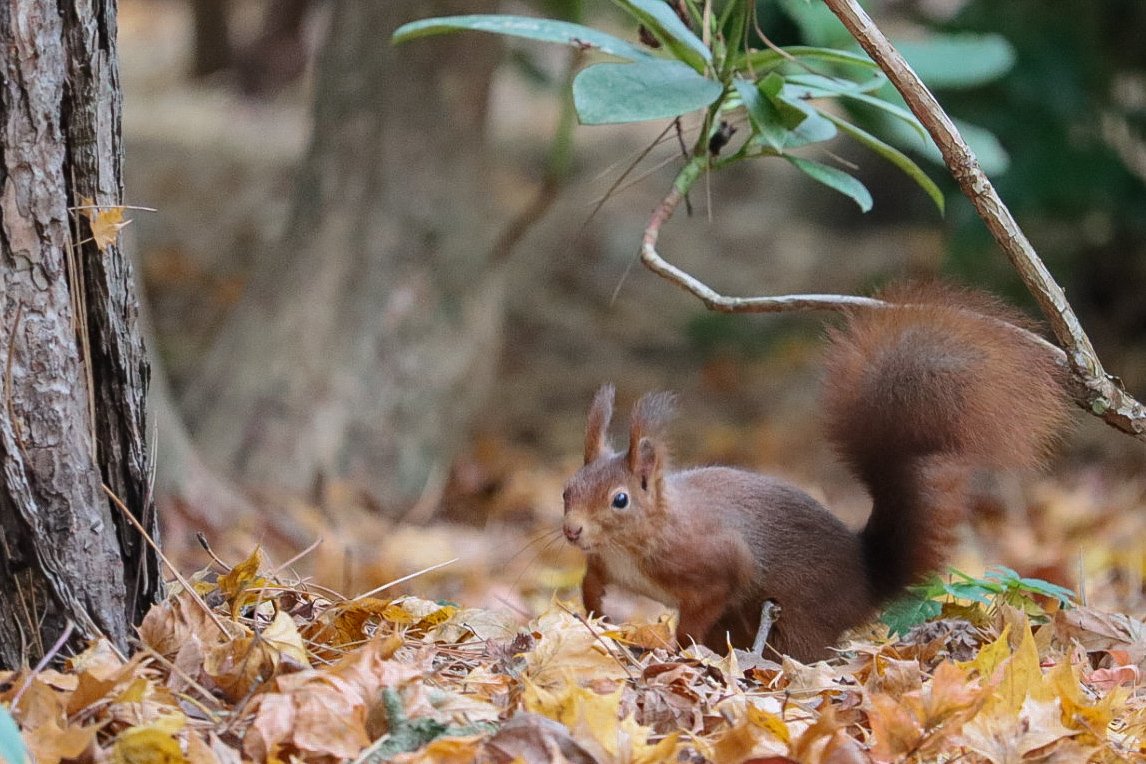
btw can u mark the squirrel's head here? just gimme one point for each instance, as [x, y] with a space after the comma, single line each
[615, 495]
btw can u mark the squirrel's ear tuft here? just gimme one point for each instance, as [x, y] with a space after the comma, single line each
[597, 428]
[650, 416]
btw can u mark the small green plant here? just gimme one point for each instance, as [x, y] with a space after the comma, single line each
[702, 61]
[961, 594]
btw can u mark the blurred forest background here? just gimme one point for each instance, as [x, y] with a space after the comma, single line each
[349, 348]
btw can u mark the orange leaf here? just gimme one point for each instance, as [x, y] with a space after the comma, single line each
[105, 223]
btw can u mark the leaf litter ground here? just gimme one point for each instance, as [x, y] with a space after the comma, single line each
[249, 662]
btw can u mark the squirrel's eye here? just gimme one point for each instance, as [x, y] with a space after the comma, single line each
[621, 500]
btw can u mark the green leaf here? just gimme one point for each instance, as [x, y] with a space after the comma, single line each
[1047, 589]
[834, 178]
[993, 158]
[761, 114]
[904, 614]
[839, 85]
[893, 155]
[818, 25]
[779, 123]
[764, 59]
[12, 747]
[791, 115]
[958, 61]
[659, 18]
[658, 89]
[973, 591]
[901, 113]
[528, 27]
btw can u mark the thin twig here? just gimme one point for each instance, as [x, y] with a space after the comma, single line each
[604, 645]
[791, 303]
[174, 571]
[403, 579]
[44, 661]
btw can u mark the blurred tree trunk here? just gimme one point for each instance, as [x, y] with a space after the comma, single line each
[366, 340]
[73, 365]
[211, 46]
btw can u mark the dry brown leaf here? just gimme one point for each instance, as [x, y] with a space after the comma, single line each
[1095, 631]
[47, 732]
[105, 222]
[320, 715]
[1004, 736]
[535, 739]
[568, 651]
[444, 750]
[235, 584]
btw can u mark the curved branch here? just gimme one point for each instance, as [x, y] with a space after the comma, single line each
[1097, 391]
[1128, 415]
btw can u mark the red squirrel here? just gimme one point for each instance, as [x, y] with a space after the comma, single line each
[915, 398]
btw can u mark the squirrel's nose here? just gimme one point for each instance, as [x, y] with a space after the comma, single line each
[572, 533]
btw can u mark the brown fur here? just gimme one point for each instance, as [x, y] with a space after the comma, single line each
[914, 398]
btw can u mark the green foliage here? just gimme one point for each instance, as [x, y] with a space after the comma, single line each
[960, 61]
[708, 61]
[1000, 585]
[526, 27]
[656, 89]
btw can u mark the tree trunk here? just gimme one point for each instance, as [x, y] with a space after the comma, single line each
[365, 341]
[74, 370]
[211, 46]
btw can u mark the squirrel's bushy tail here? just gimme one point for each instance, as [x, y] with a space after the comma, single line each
[918, 396]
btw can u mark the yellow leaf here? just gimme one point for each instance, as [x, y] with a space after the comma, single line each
[770, 722]
[569, 651]
[1022, 676]
[136, 692]
[105, 222]
[1005, 735]
[242, 577]
[1077, 711]
[282, 635]
[991, 656]
[150, 744]
[444, 750]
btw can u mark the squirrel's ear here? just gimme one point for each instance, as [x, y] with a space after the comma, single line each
[597, 429]
[648, 420]
[646, 460]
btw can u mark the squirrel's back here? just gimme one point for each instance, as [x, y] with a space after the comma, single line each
[918, 396]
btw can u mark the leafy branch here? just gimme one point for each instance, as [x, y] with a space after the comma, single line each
[777, 94]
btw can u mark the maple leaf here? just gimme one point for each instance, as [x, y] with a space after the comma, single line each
[569, 651]
[105, 222]
[1005, 737]
[47, 732]
[234, 584]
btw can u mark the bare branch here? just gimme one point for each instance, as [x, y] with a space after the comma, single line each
[712, 299]
[1125, 413]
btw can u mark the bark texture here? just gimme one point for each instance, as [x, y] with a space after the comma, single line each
[365, 341]
[74, 369]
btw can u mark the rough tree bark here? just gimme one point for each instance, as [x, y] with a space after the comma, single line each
[73, 365]
[365, 340]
